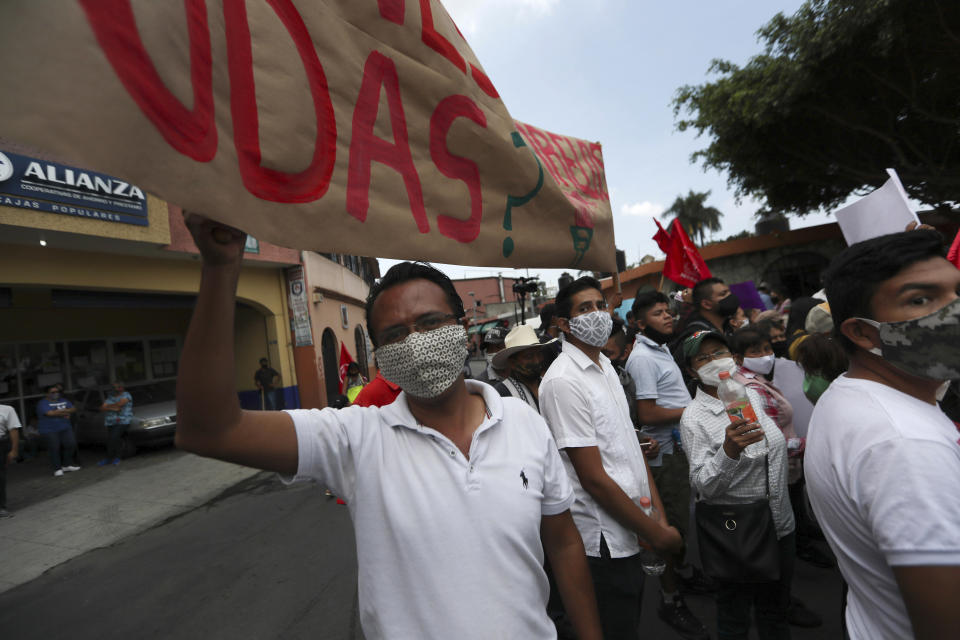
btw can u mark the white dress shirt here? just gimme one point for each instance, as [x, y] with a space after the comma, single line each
[585, 406]
[722, 480]
[447, 547]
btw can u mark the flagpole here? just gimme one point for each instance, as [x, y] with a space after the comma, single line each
[660, 288]
[616, 281]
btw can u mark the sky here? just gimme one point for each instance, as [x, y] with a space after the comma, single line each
[608, 70]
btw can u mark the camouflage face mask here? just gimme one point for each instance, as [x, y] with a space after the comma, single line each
[926, 347]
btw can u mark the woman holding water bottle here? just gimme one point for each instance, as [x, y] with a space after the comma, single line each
[738, 456]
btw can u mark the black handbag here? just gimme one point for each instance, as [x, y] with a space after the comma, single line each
[738, 542]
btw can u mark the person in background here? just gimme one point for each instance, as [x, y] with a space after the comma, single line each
[713, 305]
[582, 401]
[774, 331]
[797, 318]
[764, 290]
[354, 382]
[781, 302]
[823, 360]
[617, 349]
[737, 321]
[378, 393]
[548, 332]
[659, 398]
[53, 413]
[493, 343]
[522, 360]
[9, 446]
[727, 466]
[266, 379]
[883, 461]
[118, 408]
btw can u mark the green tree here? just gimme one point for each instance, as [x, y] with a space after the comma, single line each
[695, 217]
[844, 89]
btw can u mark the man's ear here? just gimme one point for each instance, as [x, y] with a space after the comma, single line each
[861, 334]
[563, 324]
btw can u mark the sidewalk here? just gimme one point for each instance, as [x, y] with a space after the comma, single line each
[97, 514]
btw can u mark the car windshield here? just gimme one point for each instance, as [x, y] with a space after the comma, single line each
[152, 393]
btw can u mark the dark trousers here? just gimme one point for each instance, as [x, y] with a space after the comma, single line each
[63, 438]
[618, 585]
[769, 601]
[5, 447]
[115, 438]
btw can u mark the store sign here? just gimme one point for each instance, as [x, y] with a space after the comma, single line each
[359, 127]
[33, 184]
[252, 245]
[299, 309]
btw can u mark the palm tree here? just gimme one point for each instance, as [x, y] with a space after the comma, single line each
[695, 218]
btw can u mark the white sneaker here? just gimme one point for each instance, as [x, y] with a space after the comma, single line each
[58, 473]
[71, 468]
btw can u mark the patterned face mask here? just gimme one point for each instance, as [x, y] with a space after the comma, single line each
[425, 364]
[927, 347]
[592, 328]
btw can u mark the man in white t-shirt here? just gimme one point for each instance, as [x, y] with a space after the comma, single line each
[9, 448]
[882, 460]
[456, 494]
[583, 402]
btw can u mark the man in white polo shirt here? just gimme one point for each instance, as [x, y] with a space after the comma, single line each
[455, 492]
[583, 401]
[882, 460]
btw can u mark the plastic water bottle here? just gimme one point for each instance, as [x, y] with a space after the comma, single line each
[733, 395]
[650, 560]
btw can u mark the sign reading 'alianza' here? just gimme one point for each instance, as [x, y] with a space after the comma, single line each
[351, 126]
[28, 183]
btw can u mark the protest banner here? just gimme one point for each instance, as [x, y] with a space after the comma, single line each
[363, 126]
[884, 210]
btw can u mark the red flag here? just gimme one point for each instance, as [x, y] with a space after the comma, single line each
[954, 254]
[662, 238]
[684, 263]
[345, 360]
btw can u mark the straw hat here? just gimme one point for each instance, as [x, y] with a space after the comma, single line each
[520, 337]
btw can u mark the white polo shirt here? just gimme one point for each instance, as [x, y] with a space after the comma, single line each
[8, 420]
[883, 471]
[585, 406]
[446, 547]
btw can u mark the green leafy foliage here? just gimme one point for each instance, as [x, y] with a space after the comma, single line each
[843, 89]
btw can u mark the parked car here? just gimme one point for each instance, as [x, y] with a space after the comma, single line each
[154, 416]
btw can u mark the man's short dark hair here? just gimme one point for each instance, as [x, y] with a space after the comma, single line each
[854, 275]
[546, 315]
[748, 338]
[264, 360]
[703, 290]
[564, 300]
[646, 301]
[405, 272]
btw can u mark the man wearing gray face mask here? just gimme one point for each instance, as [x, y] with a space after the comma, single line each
[584, 404]
[456, 494]
[883, 461]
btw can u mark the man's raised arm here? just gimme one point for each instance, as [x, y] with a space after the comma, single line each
[210, 421]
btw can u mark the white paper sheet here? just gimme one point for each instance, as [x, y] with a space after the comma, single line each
[886, 210]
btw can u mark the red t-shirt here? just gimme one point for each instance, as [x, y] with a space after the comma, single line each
[378, 393]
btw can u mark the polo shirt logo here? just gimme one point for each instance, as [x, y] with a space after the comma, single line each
[523, 477]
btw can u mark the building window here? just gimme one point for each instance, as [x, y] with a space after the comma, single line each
[344, 320]
[129, 361]
[88, 364]
[164, 357]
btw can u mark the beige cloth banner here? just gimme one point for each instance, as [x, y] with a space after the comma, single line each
[353, 126]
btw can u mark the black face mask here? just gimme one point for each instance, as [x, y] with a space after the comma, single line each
[657, 336]
[527, 373]
[728, 306]
[779, 349]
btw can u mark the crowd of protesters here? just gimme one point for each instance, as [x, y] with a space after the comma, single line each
[534, 502]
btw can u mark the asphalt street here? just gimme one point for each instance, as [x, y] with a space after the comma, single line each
[259, 561]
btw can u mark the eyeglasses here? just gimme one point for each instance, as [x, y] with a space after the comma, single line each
[707, 357]
[424, 323]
